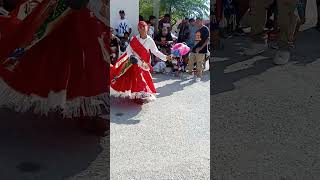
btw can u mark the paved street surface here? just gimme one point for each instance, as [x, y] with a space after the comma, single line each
[266, 118]
[34, 148]
[165, 139]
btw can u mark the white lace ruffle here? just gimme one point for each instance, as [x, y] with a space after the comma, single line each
[86, 106]
[133, 95]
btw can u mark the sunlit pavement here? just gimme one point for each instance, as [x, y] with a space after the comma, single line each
[164, 139]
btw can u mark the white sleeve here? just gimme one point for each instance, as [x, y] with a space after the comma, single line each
[154, 50]
[129, 50]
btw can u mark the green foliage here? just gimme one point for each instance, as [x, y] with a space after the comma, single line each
[178, 9]
[146, 8]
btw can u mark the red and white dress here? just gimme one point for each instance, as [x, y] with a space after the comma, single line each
[66, 68]
[130, 80]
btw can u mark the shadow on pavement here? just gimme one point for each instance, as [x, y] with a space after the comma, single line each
[124, 110]
[307, 47]
[222, 81]
[178, 85]
[38, 148]
[306, 52]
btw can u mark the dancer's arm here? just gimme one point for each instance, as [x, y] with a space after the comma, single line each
[154, 50]
[129, 51]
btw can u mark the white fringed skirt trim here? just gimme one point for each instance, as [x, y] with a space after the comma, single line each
[79, 106]
[133, 95]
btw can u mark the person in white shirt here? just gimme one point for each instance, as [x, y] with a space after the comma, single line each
[123, 25]
[131, 75]
[148, 43]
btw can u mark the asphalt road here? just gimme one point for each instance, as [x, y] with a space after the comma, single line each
[165, 139]
[265, 119]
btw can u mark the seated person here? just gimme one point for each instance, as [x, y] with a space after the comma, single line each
[164, 40]
[115, 47]
[124, 42]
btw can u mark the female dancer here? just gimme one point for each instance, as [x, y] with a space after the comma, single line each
[56, 60]
[131, 73]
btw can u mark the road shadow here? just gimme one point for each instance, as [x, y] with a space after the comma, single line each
[124, 110]
[42, 148]
[307, 48]
[222, 81]
[307, 51]
[178, 85]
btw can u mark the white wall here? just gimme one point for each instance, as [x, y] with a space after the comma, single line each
[130, 7]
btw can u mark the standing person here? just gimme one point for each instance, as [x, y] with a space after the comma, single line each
[241, 7]
[301, 9]
[123, 25]
[165, 22]
[58, 65]
[200, 49]
[287, 21]
[191, 39]
[184, 30]
[193, 29]
[318, 10]
[151, 24]
[131, 75]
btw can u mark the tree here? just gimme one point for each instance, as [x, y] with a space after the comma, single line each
[145, 8]
[177, 8]
[186, 8]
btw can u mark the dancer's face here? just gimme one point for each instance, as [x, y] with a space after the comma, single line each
[143, 30]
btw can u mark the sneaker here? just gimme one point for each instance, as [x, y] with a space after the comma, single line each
[198, 79]
[256, 48]
[281, 57]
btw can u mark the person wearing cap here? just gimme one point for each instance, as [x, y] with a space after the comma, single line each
[131, 75]
[123, 25]
[200, 49]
